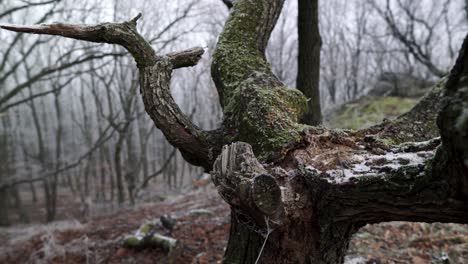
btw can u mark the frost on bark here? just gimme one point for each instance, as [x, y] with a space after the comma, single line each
[298, 193]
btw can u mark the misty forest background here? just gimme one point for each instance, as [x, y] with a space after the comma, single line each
[75, 140]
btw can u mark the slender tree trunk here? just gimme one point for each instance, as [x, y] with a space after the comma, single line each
[58, 152]
[70, 185]
[144, 135]
[118, 169]
[18, 205]
[42, 157]
[4, 197]
[4, 208]
[131, 173]
[111, 175]
[103, 171]
[86, 176]
[27, 164]
[465, 7]
[308, 75]
[88, 136]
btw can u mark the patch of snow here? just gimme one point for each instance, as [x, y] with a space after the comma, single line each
[361, 167]
[355, 260]
[372, 164]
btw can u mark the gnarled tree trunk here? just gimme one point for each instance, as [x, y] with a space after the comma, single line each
[298, 193]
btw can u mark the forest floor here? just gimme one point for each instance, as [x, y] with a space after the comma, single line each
[202, 229]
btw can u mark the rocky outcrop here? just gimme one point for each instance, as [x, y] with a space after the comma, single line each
[400, 84]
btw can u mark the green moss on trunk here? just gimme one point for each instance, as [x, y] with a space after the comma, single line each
[265, 117]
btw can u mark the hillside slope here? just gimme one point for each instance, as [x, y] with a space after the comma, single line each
[202, 238]
[368, 110]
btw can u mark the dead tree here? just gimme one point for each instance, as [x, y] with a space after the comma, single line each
[298, 193]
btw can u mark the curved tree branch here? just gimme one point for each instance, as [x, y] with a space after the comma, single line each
[197, 146]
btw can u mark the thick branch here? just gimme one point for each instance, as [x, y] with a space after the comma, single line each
[241, 47]
[258, 108]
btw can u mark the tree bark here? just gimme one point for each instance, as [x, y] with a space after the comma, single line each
[308, 70]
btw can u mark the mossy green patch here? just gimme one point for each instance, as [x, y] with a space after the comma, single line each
[146, 228]
[237, 54]
[368, 111]
[265, 117]
[132, 242]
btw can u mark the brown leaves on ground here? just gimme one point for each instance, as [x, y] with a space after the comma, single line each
[419, 243]
[203, 238]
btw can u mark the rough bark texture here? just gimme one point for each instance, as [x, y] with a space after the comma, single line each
[308, 75]
[298, 193]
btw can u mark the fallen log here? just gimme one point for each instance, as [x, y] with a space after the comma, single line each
[146, 237]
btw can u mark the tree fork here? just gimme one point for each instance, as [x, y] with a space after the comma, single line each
[319, 186]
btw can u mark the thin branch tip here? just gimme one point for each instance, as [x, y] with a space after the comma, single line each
[135, 19]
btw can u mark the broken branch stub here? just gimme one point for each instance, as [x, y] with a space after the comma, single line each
[185, 58]
[244, 183]
[266, 194]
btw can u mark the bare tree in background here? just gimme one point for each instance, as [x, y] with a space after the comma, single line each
[4, 171]
[71, 147]
[416, 34]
